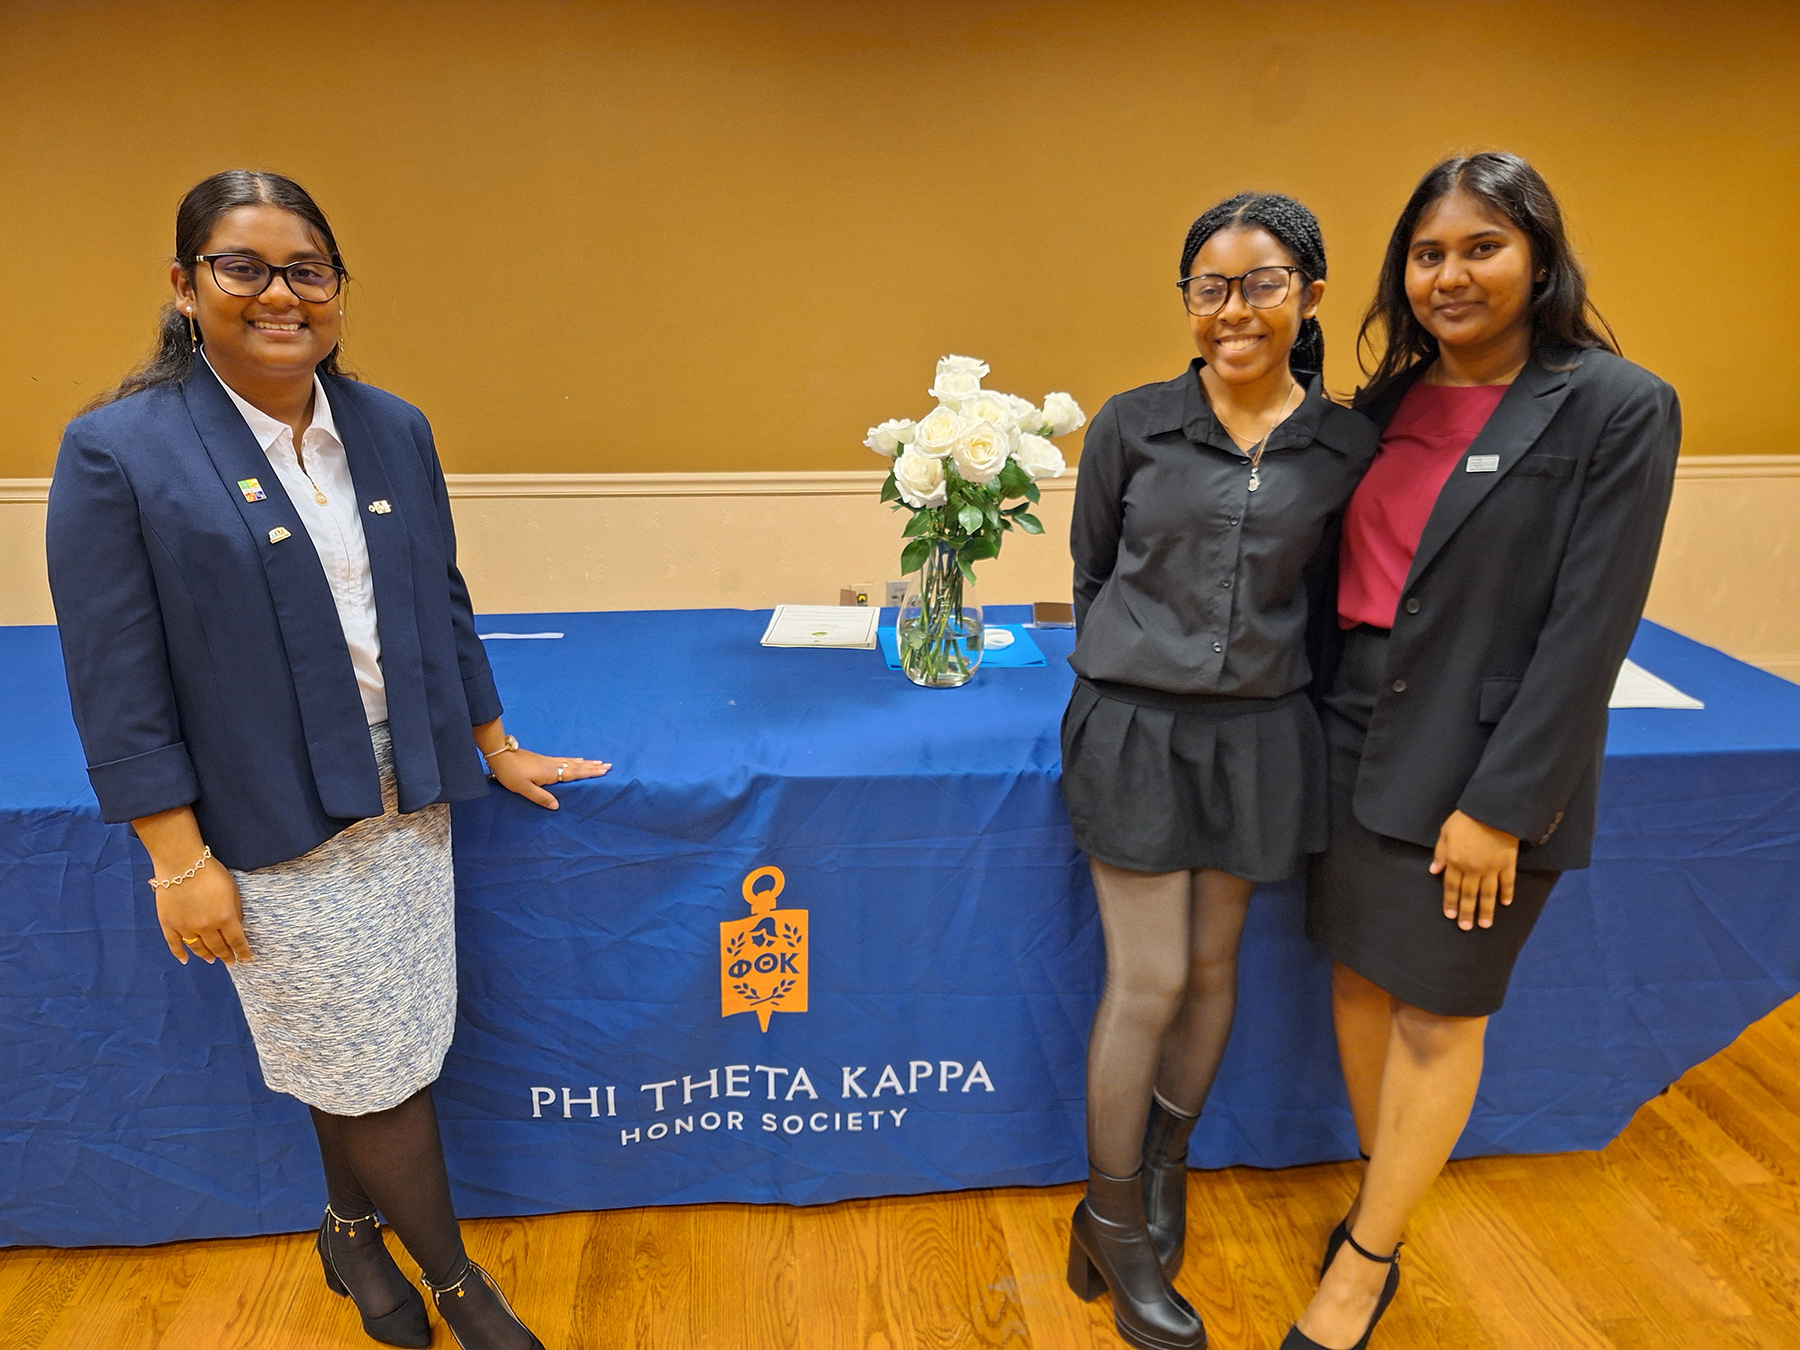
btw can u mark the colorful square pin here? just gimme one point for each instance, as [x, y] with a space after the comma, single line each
[380, 507]
[252, 490]
[277, 534]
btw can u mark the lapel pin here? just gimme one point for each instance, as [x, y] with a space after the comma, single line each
[277, 534]
[380, 507]
[252, 490]
[1483, 464]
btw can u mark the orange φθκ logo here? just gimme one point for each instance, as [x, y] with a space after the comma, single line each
[762, 959]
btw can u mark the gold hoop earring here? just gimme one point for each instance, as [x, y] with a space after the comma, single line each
[193, 335]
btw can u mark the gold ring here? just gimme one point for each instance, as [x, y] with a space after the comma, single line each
[191, 942]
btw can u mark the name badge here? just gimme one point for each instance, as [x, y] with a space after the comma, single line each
[1482, 464]
[277, 534]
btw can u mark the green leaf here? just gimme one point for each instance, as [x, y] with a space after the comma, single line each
[1013, 480]
[1031, 492]
[890, 490]
[923, 522]
[982, 546]
[970, 518]
[913, 556]
[1029, 523]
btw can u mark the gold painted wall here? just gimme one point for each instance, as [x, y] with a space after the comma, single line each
[711, 236]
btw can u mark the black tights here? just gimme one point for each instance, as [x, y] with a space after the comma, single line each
[1165, 1014]
[393, 1161]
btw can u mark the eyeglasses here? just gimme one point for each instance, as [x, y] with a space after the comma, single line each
[241, 275]
[1261, 287]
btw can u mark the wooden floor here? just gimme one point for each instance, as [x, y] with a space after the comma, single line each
[1684, 1233]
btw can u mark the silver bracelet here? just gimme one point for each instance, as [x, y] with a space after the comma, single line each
[185, 876]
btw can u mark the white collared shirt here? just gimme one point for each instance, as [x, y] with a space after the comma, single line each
[334, 525]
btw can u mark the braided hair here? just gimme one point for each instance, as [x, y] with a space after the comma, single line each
[1293, 227]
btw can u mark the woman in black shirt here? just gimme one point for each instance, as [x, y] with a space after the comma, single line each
[1206, 512]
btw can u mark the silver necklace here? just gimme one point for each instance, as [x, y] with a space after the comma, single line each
[1256, 451]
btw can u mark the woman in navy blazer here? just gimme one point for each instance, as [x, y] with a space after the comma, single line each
[274, 670]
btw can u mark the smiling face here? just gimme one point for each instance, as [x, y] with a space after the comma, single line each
[1469, 275]
[272, 335]
[1242, 345]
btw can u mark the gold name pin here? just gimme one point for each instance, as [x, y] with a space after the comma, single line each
[380, 508]
[277, 534]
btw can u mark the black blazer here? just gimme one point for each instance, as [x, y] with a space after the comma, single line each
[1521, 603]
[205, 660]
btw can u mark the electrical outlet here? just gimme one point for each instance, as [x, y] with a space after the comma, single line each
[858, 594]
[896, 594]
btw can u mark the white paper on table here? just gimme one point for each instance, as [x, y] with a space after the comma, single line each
[1638, 688]
[488, 637]
[822, 626]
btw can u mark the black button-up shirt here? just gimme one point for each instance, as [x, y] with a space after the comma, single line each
[1187, 581]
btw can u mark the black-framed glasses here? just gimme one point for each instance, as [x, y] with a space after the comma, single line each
[1261, 287]
[245, 276]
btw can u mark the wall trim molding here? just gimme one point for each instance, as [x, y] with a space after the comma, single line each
[827, 483]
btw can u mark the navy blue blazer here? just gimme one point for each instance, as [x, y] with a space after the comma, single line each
[206, 664]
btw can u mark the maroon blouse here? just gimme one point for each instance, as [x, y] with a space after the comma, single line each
[1423, 443]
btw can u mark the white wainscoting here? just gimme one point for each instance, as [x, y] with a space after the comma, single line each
[1729, 574]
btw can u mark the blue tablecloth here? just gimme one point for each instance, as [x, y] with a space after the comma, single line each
[933, 916]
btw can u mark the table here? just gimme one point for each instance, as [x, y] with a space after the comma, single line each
[934, 913]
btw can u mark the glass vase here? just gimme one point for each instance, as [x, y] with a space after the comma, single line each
[939, 629]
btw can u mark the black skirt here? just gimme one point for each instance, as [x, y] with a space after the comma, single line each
[1371, 901]
[1159, 782]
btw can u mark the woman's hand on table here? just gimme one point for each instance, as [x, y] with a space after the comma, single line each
[1478, 864]
[527, 773]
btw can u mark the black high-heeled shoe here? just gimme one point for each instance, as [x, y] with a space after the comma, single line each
[1165, 1183]
[406, 1325]
[447, 1299]
[1110, 1249]
[1299, 1340]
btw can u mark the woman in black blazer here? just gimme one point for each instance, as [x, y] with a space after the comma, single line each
[1494, 566]
[274, 670]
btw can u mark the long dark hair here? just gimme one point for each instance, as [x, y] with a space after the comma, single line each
[1297, 230]
[1562, 316]
[172, 358]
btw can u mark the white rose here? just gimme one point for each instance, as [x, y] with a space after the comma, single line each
[994, 409]
[940, 429]
[962, 365]
[1025, 413]
[1039, 458]
[955, 387]
[1062, 414]
[887, 438]
[982, 452]
[920, 479]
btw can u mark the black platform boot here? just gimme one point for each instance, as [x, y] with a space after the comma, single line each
[406, 1325]
[1165, 1182]
[1110, 1249]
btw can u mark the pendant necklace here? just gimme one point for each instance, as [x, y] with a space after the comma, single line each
[1255, 452]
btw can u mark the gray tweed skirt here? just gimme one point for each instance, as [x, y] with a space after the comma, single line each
[352, 996]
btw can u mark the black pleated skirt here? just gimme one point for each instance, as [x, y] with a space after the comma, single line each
[1159, 782]
[1371, 901]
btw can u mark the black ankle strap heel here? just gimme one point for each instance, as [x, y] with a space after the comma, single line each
[472, 1280]
[406, 1325]
[1299, 1340]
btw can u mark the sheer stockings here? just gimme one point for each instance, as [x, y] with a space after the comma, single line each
[1165, 1013]
[393, 1161]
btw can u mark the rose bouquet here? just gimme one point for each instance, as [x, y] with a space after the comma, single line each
[955, 469]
